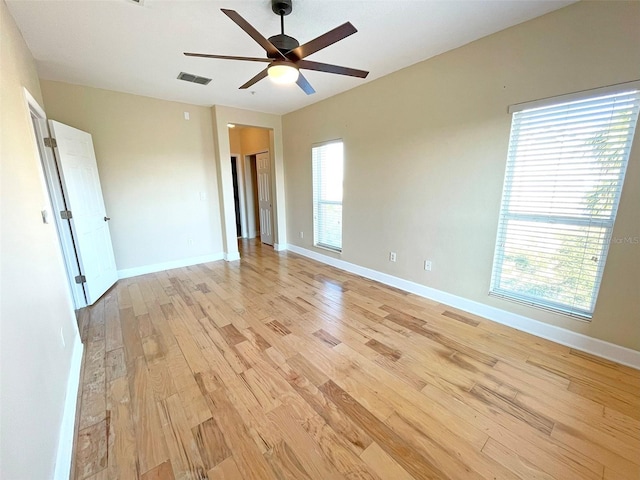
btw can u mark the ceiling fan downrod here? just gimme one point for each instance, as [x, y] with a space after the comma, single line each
[283, 42]
[282, 8]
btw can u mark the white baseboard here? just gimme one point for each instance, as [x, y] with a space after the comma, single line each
[610, 351]
[232, 256]
[158, 267]
[279, 247]
[65, 442]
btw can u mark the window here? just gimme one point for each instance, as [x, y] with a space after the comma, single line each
[565, 168]
[327, 160]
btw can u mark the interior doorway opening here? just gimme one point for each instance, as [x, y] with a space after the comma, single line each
[52, 181]
[71, 180]
[252, 182]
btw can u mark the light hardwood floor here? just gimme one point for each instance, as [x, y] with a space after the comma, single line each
[278, 367]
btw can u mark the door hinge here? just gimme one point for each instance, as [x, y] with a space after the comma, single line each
[50, 142]
[81, 279]
[66, 214]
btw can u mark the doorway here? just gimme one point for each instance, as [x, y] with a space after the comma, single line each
[236, 194]
[58, 204]
[252, 182]
[258, 204]
[254, 215]
[265, 205]
[70, 173]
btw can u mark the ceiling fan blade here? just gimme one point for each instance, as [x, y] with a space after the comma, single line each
[304, 84]
[269, 47]
[227, 57]
[328, 68]
[329, 38]
[255, 79]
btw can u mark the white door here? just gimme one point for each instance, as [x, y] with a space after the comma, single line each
[264, 197]
[89, 221]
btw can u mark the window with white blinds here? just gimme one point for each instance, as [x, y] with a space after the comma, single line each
[327, 160]
[565, 169]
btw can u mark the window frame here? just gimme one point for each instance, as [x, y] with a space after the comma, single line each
[545, 219]
[315, 169]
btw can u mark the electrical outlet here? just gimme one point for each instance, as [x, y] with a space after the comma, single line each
[190, 241]
[392, 256]
[427, 265]
[301, 234]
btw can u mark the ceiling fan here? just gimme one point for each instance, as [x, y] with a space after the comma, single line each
[285, 55]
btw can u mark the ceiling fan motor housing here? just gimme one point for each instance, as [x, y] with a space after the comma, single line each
[281, 7]
[284, 43]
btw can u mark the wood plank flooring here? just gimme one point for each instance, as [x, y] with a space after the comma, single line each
[278, 367]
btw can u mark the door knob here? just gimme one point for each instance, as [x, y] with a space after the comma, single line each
[106, 219]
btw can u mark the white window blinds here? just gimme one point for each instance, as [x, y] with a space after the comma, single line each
[565, 168]
[327, 162]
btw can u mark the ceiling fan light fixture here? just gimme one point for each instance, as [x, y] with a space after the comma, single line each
[283, 73]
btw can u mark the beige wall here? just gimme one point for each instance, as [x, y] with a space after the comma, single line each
[254, 140]
[425, 152]
[157, 171]
[35, 308]
[235, 143]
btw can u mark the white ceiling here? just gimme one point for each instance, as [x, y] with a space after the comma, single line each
[118, 45]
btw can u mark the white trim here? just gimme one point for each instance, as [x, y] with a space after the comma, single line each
[65, 441]
[53, 189]
[610, 351]
[33, 103]
[327, 142]
[279, 247]
[231, 256]
[158, 267]
[543, 102]
[264, 150]
[250, 190]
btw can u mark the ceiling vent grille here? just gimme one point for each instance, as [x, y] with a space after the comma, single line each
[189, 77]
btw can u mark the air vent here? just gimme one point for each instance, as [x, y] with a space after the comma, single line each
[189, 77]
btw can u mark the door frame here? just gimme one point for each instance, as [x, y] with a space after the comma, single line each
[248, 181]
[50, 177]
[250, 187]
[241, 193]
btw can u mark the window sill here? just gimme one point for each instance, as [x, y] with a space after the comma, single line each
[583, 317]
[326, 247]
